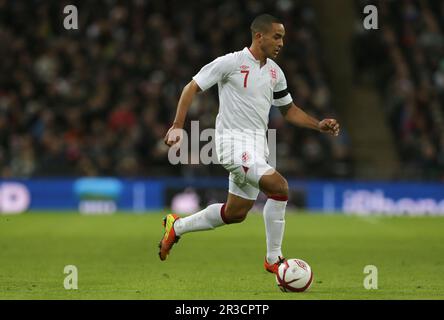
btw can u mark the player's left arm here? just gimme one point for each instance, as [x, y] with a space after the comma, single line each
[297, 116]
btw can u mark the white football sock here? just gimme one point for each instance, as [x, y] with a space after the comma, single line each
[206, 219]
[274, 217]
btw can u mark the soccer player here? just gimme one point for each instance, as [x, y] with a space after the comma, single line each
[249, 83]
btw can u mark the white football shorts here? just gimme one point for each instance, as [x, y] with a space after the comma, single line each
[246, 159]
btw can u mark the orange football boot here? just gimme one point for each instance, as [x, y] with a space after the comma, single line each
[169, 237]
[273, 268]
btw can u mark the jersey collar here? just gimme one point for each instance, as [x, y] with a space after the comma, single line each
[251, 57]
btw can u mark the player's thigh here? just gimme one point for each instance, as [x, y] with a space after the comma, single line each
[237, 208]
[272, 183]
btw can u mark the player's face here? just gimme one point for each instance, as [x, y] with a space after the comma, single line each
[273, 40]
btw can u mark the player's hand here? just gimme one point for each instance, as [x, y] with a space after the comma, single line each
[330, 126]
[174, 136]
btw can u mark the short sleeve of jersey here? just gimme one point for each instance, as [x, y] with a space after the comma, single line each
[215, 71]
[281, 96]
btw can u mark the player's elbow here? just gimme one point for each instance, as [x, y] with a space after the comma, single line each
[290, 117]
[292, 114]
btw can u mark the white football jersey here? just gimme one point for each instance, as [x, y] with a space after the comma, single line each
[246, 91]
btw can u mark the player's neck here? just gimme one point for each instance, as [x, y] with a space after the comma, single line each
[258, 54]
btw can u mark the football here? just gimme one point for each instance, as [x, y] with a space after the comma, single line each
[294, 275]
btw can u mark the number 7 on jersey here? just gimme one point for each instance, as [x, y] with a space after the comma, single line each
[246, 76]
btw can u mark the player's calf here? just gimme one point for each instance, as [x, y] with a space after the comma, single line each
[276, 188]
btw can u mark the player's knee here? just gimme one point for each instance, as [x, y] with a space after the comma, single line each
[236, 215]
[279, 189]
[284, 188]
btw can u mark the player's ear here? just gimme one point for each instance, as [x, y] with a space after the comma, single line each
[257, 36]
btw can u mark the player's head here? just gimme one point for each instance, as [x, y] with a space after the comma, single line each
[268, 32]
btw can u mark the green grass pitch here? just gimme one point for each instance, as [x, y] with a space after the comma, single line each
[116, 258]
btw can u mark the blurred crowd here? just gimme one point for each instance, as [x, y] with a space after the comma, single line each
[98, 100]
[405, 60]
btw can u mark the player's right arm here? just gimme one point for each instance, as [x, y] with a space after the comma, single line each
[186, 98]
[208, 76]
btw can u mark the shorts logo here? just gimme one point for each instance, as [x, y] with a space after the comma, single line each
[245, 157]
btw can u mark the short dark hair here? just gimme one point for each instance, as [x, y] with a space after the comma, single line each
[262, 23]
